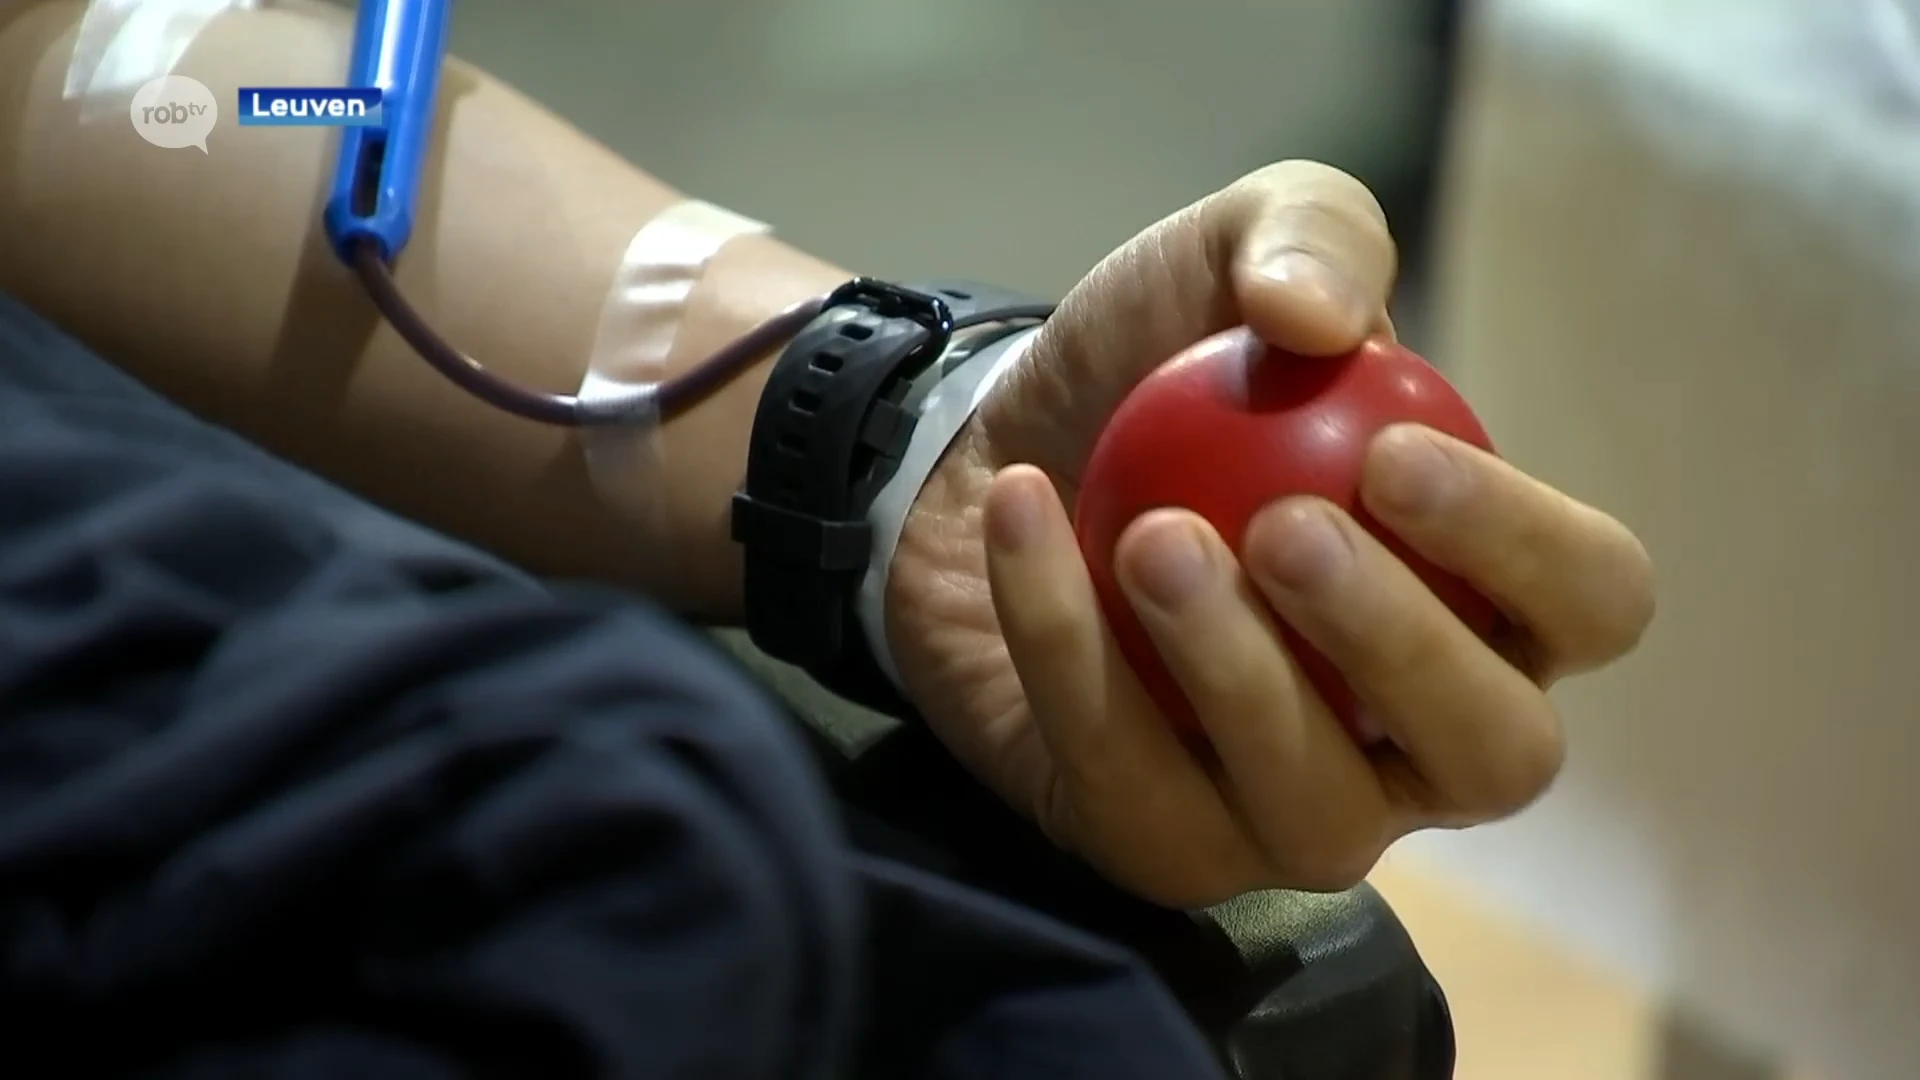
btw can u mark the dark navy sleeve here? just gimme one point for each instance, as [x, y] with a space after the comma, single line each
[291, 789]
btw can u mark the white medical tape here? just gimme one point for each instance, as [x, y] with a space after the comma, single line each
[123, 44]
[638, 323]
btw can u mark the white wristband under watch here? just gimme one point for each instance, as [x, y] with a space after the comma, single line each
[948, 407]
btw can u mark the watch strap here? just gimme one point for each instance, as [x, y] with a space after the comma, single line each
[942, 417]
[832, 426]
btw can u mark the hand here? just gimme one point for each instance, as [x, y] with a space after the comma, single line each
[998, 636]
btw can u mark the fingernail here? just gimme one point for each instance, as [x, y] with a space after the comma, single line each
[1018, 518]
[1308, 549]
[1417, 475]
[1308, 275]
[1171, 567]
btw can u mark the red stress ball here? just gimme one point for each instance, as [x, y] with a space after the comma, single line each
[1229, 426]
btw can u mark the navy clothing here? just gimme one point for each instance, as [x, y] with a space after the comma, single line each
[292, 788]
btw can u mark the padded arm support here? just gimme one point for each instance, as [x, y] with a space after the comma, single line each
[1288, 986]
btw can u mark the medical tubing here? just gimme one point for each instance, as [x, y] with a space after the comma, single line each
[660, 401]
[664, 400]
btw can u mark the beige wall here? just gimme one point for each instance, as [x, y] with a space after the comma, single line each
[1684, 282]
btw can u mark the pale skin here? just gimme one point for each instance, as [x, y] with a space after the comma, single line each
[206, 277]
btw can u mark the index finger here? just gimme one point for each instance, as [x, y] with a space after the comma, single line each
[1129, 797]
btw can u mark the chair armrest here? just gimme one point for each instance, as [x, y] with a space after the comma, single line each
[1340, 991]
[1286, 985]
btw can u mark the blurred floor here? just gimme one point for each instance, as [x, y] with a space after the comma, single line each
[1526, 1008]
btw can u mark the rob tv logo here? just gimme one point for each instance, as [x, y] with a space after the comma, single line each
[309, 106]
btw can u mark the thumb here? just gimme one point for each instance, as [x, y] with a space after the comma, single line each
[1305, 250]
[1298, 251]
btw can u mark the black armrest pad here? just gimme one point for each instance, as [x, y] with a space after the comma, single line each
[1289, 986]
[1342, 991]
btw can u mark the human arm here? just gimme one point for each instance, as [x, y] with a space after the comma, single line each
[207, 276]
[1007, 661]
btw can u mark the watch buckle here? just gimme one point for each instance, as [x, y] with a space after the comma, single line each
[890, 301]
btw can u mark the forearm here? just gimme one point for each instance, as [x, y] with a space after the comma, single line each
[207, 276]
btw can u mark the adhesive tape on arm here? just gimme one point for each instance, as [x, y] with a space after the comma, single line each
[638, 323]
[948, 407]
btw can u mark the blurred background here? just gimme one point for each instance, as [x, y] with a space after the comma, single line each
[1012, 140]
[1669, 248]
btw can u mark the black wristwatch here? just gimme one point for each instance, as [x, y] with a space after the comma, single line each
[834, 420]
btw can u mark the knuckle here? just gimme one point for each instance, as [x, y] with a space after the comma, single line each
[1517, 770]
[1311, 182]
[1333, 229]
[1222, 671]
[1624, 620]
[1333, 869]
[1610, 606]
[1048, 631]
[1054, 807]
[1313, 206]
[1201, 890]
[1405, 651]
[1190, 877]
[1333, 853]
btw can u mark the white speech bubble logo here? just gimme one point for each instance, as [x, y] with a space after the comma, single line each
[173, 112]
